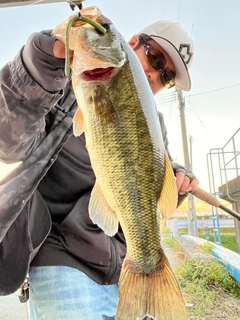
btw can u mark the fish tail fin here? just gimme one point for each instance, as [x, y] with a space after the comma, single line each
[156, 295]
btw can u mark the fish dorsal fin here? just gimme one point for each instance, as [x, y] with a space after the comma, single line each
[78, 123]
[101, 213]
[167, 201]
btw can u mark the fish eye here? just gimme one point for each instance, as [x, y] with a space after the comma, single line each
[106, 26]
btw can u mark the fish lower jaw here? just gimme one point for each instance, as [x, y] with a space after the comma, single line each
[97, 74]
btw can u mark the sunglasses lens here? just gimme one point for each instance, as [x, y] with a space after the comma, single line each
[155, 59]
[168, 79]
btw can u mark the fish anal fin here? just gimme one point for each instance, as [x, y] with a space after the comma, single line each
[156, 295]
[167, 202]
[101, 213]
[78, 123]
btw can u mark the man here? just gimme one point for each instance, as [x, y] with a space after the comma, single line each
[74, 266]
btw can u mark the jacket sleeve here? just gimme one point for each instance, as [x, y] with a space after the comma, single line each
[176, 166]
[30, 86]
[164, 134]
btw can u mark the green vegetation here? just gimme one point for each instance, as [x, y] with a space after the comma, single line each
[206, 247]
[170, 241]
[207, 288]
[228, 240]
[205, 275]
[228, 237]
[227, 230]
[210, 289]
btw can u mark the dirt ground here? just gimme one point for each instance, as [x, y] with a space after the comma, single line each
[226, 307]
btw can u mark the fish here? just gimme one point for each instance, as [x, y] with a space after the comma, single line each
[135, 185]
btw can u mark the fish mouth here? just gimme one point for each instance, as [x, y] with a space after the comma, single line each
[97, 74]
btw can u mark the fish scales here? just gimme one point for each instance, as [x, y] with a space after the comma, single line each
[134, 178]
[131, 164]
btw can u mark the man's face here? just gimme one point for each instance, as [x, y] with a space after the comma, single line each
[152, 75]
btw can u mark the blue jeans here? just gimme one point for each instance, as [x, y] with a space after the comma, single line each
[63, 293]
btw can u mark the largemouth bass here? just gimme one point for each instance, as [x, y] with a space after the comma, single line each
[134, 178]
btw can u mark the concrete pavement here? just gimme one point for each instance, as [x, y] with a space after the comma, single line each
[11, 308]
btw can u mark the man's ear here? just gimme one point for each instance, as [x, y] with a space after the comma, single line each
[133, 42]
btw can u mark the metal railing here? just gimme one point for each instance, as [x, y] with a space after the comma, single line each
[223, 166]
[225, 161]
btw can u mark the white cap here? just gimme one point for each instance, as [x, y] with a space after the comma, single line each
[173, 38]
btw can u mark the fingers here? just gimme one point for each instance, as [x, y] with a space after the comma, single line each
[184, 184]
[59, 50]
[193, 185]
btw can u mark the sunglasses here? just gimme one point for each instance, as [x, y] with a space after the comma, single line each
[157, 61]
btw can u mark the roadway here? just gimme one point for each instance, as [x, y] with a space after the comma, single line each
[11, 308]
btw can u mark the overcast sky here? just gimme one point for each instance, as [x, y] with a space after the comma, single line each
[212, 105]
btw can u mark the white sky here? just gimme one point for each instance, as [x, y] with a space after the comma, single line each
[211, 118]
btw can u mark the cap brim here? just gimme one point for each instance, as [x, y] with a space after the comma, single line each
[182, 79]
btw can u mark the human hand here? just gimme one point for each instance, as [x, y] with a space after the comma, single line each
[44, 59]
[59, 50]
[184, 183]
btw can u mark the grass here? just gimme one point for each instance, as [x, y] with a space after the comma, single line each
[170, 241]
[207, 286]
[228, 237]
[206, 247]
[204, 275]
[211, 291]
[228, 240]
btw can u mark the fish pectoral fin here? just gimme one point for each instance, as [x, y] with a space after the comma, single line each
[78, 123]
[156, 295]
[167, 202]
[101, 213]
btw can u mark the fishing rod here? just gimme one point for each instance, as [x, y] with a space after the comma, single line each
[208, 198]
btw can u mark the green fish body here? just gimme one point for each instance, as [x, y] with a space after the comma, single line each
[134, 178]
